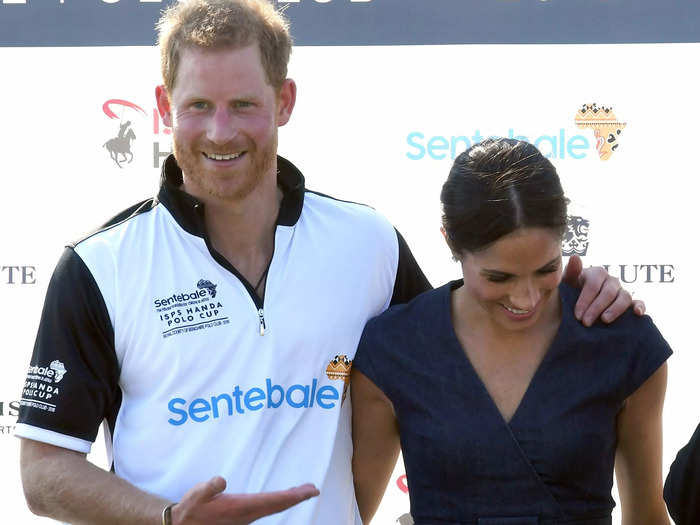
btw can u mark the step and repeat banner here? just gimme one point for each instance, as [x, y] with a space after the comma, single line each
[390, 91]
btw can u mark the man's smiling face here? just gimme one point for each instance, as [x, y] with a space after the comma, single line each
[224, 117]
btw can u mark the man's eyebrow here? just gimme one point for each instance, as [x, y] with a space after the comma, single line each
[246, 96]
[193, 97]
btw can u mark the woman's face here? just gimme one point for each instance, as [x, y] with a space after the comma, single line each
[514, 279]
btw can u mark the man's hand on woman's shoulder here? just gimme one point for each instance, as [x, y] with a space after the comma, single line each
[602, 295]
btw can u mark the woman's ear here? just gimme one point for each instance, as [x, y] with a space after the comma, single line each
[455, 256]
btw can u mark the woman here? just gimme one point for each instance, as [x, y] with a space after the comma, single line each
[682, 488]
[509, 410]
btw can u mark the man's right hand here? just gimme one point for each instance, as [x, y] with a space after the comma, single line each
[61, 484]
[205, 504]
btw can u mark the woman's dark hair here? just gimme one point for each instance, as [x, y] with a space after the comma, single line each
[496, 187]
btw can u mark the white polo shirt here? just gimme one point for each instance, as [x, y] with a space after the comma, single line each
[147, 328]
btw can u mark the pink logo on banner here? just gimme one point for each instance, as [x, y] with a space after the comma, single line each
[402, 484]
[107, 107]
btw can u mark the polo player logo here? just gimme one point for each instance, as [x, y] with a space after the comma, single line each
[119, 147]
[121, 144]
[575, 240]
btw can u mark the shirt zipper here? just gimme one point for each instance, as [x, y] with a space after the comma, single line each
[261, 316]
[261, 313]
[257, 301]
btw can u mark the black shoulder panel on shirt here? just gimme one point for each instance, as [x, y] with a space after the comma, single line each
[75, 336]
[131, 211]
[682, 488]
[337, 199]
[291, 180]
[410, 279]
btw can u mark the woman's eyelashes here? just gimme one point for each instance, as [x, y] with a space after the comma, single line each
[501, 277]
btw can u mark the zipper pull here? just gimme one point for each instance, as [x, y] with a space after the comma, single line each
[261, 316]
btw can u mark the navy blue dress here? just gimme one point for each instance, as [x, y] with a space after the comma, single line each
[682, 488]
[553, 462]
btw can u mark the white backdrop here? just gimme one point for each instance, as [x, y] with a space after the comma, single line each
[371, 125]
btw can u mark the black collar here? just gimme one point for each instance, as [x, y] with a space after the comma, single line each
[188, 211]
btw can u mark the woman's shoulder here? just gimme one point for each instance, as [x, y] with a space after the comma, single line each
[630, 348]
[396, 342]
[628, 326]
[425, 307]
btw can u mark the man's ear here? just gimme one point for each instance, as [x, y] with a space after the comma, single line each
[163, 102]
[285, 101]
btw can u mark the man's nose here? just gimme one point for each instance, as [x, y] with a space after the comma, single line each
[222, 126]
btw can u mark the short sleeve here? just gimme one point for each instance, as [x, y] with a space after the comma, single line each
[72, 380]
[369, 352]
[649, 352]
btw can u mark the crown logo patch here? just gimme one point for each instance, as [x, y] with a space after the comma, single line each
[339, 369]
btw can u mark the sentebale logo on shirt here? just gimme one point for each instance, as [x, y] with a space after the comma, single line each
[191, 310]
[240, 401]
